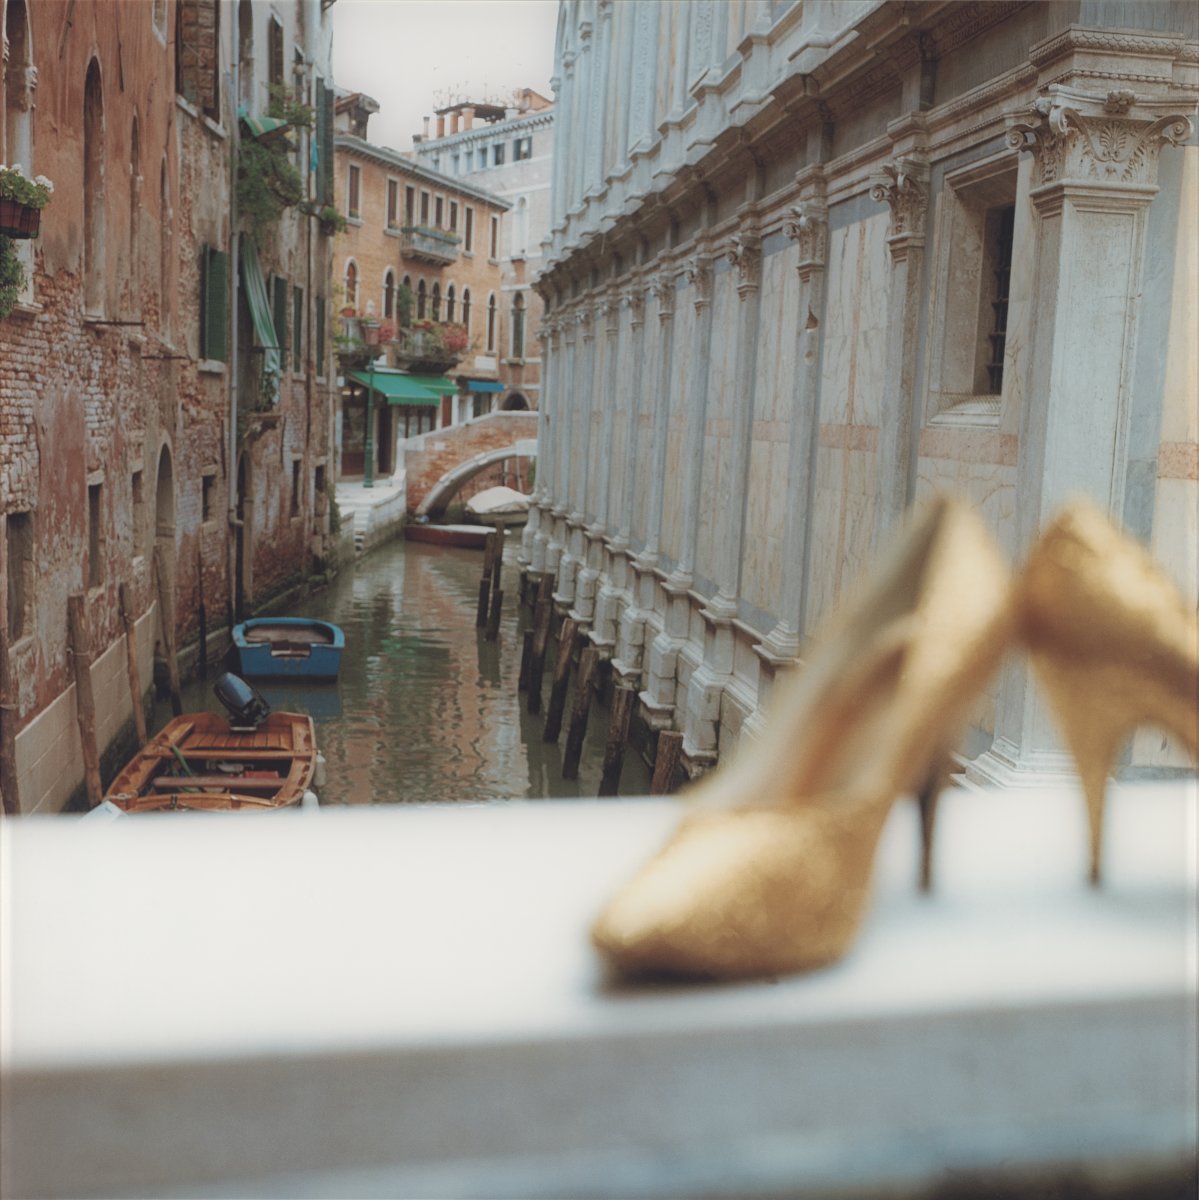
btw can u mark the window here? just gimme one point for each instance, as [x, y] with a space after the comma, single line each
[275, 52]
[389, 294]
[468, 240]
[95, 567]
[297, 329]
[214, 304]
[466, 309]
[93, 191]
[18, 536]
[295, 487]
[495, 237]
[138, 496]
[424, 208]
[449, 303]
[518, 326]
[436, 299]
[319, 319]
[439, 212]
[421, 297]
[975, 225]
[198, 54]
[393, 202]
[497, 154]
[279, 313]
[409, 206]
[453, 216]
[352, 284]
[207, 492]
[522, 148]
[355, 183]
[318, 486]
[245, 51]
[491, 323]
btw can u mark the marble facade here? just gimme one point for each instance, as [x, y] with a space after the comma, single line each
[769, 294]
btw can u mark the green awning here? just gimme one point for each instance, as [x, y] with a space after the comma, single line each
[260, 314]
[396, 388]
[483, 385]
[261, 127]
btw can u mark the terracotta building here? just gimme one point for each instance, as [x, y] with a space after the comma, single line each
[812, 262]
[507, 149]
[164, 416]
[420, 258]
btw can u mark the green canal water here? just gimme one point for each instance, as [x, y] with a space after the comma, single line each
[426, 709]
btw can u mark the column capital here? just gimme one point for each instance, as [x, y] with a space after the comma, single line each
[634, 297]
[744, 251]
[807, 224]
[663, 288]
[698, 269]
[1098, 139]
[609, 305]
[902, 183]
[585, 320]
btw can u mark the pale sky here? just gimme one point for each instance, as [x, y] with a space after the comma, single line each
[409, 54]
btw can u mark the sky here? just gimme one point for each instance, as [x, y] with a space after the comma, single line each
[414, 56]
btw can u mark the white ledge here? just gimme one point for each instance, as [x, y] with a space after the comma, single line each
[402, 1002]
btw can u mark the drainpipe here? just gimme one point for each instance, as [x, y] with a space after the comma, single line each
[234, 281]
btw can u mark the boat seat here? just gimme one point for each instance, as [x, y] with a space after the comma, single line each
[227, 783]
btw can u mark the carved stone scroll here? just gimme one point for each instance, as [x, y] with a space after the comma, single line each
[744, 252]
[902, 184]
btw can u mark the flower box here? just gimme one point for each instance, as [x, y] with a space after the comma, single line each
[19, 220]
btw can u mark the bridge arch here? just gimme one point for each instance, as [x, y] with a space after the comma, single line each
[438, 496]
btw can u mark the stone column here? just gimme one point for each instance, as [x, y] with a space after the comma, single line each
[557, 558]
[602, 56]
[578, 455]
[604, 393]
[658, 699]
[903, 185]
[621, 477]
[807, 226]
[641, 580]
[1094, 177]
[533, 540]
[706, 686]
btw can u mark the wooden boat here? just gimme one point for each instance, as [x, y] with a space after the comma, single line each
[288, 648]
[198, 761]
[471, 537]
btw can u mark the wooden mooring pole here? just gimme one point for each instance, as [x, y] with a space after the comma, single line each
[135, 679]
[542, 615]
[618, 736]
[8, 732]
[566, 645]
[666, 762]
[577, 729]
[485, 585]
[493, 618]
[166, 612]
[526, 659]
[85, 701]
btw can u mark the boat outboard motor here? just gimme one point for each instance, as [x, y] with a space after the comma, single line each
[247, 708]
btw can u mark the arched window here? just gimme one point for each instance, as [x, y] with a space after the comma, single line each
[352, 285]
[93, 190]
[518, 326]
[491, 314]
[436, 301]
[421, 298]
[466, 308]
[389, 294]
[449, 303]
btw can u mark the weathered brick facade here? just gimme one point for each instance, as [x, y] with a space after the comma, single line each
[115, 431]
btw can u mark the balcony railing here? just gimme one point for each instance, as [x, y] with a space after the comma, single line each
[429, 245]
[431, 351]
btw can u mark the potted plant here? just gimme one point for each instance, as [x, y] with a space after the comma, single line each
[12, 276]
[21, 201]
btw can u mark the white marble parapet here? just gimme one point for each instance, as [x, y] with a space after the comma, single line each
[402, 1002]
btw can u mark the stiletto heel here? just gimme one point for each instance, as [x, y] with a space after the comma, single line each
[926, 802]
[770, 870]
[1112, 644]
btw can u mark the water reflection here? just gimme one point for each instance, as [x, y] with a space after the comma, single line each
[426, 709]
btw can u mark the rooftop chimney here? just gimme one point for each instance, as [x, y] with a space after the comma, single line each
[468, 118]
[440, 126]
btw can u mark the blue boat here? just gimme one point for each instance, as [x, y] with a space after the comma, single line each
[300, 648]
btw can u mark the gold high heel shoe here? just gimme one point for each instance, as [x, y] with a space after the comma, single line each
[1112, 644]
[769, 872]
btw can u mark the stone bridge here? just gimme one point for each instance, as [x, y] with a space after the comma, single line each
[437, 464]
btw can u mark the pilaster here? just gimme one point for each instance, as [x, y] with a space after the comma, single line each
[1095, 159]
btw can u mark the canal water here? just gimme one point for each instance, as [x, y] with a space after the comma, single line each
[426, 709]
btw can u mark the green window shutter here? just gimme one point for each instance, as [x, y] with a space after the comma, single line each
[279, 313]
[214, 304]
[320, 335]
[297, 329]
[324, 144]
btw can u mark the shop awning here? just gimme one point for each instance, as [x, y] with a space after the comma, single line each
[405, 389]
[483, 385]
[262, 127]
